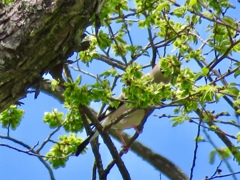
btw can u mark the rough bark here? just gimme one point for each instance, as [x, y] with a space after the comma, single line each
[35, 36]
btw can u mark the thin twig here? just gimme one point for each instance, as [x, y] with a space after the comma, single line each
[196, 148]
[49, 137]
[30, 152]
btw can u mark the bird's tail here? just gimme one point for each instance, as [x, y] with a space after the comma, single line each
[82, 146]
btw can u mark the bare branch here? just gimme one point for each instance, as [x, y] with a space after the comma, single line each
[29, 152]
[108, 142]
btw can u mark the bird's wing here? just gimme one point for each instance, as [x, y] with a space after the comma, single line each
[82, 146]
[130, 120]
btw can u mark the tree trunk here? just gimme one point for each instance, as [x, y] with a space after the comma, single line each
[35, 35]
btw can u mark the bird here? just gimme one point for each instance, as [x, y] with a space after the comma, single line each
[131, 120]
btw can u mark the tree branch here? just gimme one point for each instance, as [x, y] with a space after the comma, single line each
[30, 149]
[120, 164]
[156, 160]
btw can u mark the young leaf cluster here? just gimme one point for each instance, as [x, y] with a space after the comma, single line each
[11, 117]
[59, 153]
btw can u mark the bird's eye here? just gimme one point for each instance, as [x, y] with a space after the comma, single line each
[162, 71]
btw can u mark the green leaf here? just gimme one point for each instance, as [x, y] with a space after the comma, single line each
[54, 118]
[208, 93]
[213, 127]
[237, 155]
[7, 1]
[236, 73]
[212, 156]
[73, 121]
[205, 71]
[163, 5]
[230, 21]
[200, 139]
[238, 137]
[75, 95]
[192, 2]
[11, 117]
[179, 11]
[54, 83]
[78, 80]
[231, 89]
[107, 73]
[223, 153]
[104, 40]
[177, 120]
[141, 23]
[60, 152]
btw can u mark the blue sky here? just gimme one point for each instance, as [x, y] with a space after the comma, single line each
[175, 143]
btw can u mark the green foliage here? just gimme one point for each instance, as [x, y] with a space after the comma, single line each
[7, 1]
[120, 49]
[180, 11]
[217, 7]
[54, 119]
[141, 90]
[59, 153]
[208, 93]
[170, 65]
[237, 154]
[11, 117]
[132, 72]
[75, 95]
[194, 55]
[104, 40]
[205, 71]
[238, 137]
[54, 83]
[91, 53]
[179, 119]
[73, 122]
[114, 7]
[192, 2]
[230, 89]
[185, 81]
[223, 153]
[200, 139]
[107, 73]
[101, 91]
[135, 50]
[230, 21]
